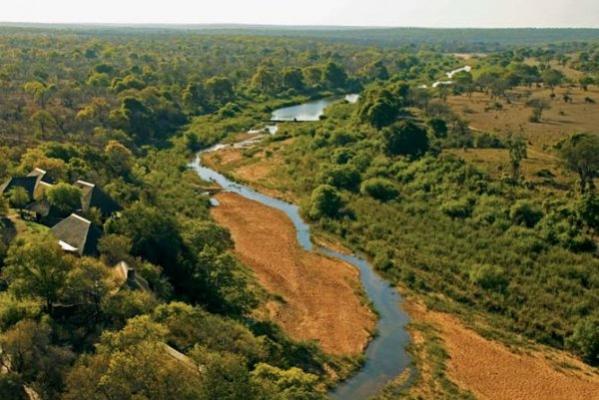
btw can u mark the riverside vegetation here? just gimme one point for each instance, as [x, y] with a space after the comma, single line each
[126, 110]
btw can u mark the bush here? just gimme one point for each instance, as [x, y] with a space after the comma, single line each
[12, 387]
[325, 202]
[461, 208]
[526, 213]
[491, 210]
[585, 339]
[405, 138]
[342, 177]
[489, 277]
[380, 189]
[488, 141]
[588, 211]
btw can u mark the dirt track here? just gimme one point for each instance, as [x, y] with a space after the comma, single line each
[491, 371]
[320, 295]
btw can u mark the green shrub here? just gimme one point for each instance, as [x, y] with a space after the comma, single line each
[488, 141]
[489, 277]
[405, 138]
[491, 210]
[380, 189]
[585, 339]
[461, 208]
[325, 202]
[342, 177]
[526, 213]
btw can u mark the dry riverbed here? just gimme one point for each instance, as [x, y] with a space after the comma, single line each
[315, 298]
[491, 371]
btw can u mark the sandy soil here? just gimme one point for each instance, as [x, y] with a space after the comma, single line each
[254, 172]
[224, 157]
[491, 371]
[260, 172]
[320, 296]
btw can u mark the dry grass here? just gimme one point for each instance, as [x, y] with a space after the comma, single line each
[557, 123]
[491, 371]
[496, 162]
[319, 298]
[261, 170]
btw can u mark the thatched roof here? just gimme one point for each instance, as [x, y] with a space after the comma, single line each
[78, 235]
[93, 197]
[126, 275]
[182, 359]
[41, 175]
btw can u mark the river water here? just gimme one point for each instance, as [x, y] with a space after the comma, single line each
[386, 355]
[306, 112]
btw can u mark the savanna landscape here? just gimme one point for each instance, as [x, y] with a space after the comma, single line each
[287, 212]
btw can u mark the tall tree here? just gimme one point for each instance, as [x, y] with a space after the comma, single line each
[552, 78]
[518, 152]
[334, 76]
[405, 138]
[580, 154]
[19, 198]
[37, 268]
[65, 197]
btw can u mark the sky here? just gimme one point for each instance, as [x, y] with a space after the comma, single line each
[396, 13]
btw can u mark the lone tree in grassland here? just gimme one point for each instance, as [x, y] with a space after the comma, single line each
[538, 107]
[585, 82]
[518, 152]
[552, 78]
[580, 154]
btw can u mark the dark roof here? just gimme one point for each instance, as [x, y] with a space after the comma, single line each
[41, 175]
[93, 197]
[26, 182]
[77, 235]
[46, 213]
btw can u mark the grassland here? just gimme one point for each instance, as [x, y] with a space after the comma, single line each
[559, 121]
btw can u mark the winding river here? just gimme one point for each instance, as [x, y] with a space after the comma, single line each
[386, 355]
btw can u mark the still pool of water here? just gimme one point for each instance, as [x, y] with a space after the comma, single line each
[310, 111]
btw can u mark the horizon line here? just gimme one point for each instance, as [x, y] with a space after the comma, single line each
[225, 25]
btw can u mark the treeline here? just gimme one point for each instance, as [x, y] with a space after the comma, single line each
[442, 39]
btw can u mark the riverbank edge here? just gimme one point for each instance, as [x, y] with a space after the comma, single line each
[324, 239]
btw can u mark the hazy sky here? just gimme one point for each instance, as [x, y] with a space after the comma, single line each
[429, 13]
